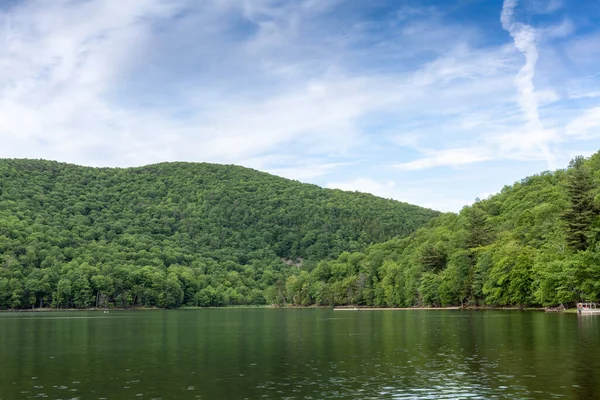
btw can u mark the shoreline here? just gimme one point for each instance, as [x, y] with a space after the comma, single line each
[338, 308]
[471, 308]
[393, 308]
[47, 310]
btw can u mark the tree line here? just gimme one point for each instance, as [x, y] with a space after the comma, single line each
[173, 234]
[536, 242]
[178, 234]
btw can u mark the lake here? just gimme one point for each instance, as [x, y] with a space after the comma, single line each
[298, 354]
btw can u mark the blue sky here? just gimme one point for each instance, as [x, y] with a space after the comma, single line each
[430, 102]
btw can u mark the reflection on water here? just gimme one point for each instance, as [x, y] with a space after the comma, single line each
[299, 354]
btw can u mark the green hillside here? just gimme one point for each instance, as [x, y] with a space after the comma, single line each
[537, 242]
[173, 234]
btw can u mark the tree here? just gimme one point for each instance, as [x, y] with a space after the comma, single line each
[478, 229]
[581, 211]
[4, 293]
[75, 236]
[198, 234]
[272, 296]
[82, 292]
[173, 293]
[16, 293]
[61, 297]
[38, 286]
[103, 285]
[392, 283]
[456, 279]
[433, 257]
[429, 289]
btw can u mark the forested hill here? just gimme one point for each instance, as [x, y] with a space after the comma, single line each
[173, 234]
[535, 243]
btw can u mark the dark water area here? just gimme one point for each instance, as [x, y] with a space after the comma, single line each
[299, 354]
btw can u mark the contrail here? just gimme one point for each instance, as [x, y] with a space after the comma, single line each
[525, 41]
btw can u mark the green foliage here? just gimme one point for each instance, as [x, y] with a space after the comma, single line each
[478, 231]
[581, 211]
[535, 243]
[456, 282]
[509, 280]
[176, 234]
[430, 289]
[170, 235]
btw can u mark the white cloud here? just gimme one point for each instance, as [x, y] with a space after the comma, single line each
[467, 63]
[582, 94]
[367, 185]
[406, 192]
[451, 157]
[291, 167]
[510, 138]
[586, 126]
[404, 139]
[286, 88]
[66, 76]
[60, 60]
[584, 87]
[562, 30]
[324, 111]
[545, 6]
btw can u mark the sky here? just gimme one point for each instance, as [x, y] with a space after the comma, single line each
[434, 103]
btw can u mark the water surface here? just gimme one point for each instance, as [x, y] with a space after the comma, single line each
[298, 354]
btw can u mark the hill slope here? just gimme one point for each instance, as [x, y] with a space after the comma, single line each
[535, 243]
[172, 234]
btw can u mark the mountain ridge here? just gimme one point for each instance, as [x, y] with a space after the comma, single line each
[213, 222]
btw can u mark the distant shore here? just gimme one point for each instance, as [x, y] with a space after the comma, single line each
[393, 308]
[44, 309]
[48, 309]
[466, 308]
[338, 308]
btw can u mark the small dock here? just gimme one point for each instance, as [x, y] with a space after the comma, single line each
[588, 309]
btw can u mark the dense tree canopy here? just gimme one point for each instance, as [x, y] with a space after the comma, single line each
[176, 234]
[537, 242]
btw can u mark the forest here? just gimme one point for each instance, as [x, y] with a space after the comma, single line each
[188, 234]
[173, 234]
[536, 243]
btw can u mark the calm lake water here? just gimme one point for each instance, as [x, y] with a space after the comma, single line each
[298, 354]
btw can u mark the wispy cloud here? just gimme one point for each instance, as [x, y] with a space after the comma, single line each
[517, 139]
[452, 157]
[60, 62]
[545, 6]
[316, 91]
[585, 126]
[70, 77]
[409, 192]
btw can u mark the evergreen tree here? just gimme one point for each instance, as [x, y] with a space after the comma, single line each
[580, 213]
[478, 230]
